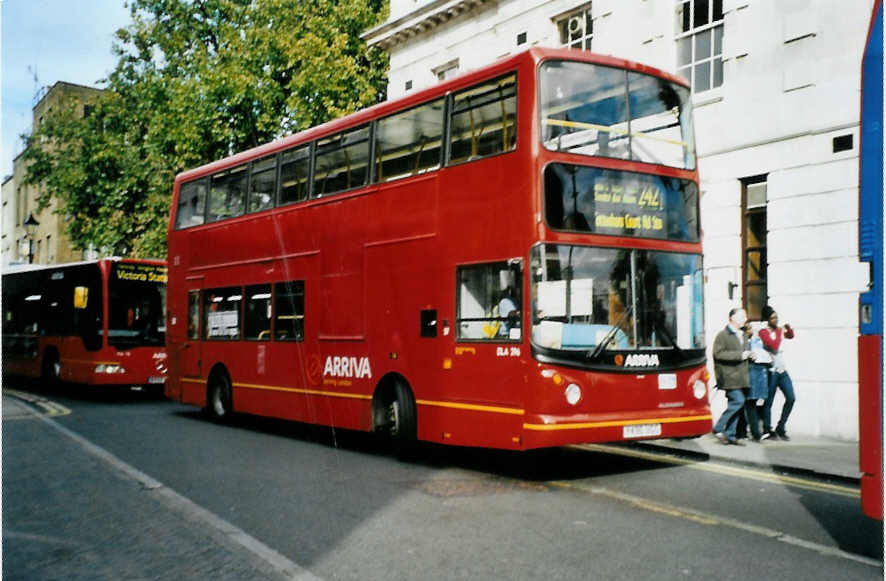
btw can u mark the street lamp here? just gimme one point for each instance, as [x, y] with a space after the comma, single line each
[31, 228]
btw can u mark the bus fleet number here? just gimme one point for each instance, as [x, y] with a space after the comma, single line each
[507, 351]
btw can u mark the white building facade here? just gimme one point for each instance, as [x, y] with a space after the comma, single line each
[776, 95]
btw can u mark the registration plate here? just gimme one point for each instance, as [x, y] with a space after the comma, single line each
[156, 379]
[641, 431]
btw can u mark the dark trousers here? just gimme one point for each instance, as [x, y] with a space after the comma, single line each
[783, 382]
[750, 418]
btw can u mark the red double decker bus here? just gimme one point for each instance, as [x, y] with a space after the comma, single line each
[99, 322]
[510, 259]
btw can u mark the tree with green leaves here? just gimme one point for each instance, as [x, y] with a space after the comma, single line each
[197, 80]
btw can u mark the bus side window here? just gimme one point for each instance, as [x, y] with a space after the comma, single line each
[489, 301]
[342, 161]
[263, 183]
[257, 313]
[194, 315]
[295, 167]
[227, 194]
[483, 120]
[289, 311]
[221, 313]
[409, 143]
[191, 204]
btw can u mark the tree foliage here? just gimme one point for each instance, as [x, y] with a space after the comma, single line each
[197, 80]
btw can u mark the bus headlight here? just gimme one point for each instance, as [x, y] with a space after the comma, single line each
[699, 389]
[572, 393]
[109, 368]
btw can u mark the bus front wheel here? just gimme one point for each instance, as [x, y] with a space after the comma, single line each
[402, 420]
[219, 398]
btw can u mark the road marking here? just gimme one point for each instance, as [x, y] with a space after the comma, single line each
[709, 519]
[726, 470]
[50, 408]
[194, 512]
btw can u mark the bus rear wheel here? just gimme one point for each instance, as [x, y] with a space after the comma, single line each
[219, 397]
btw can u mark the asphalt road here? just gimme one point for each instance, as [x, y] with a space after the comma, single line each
[111, 485]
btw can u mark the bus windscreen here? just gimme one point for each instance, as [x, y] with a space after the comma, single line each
[136, 305]
[588, 301]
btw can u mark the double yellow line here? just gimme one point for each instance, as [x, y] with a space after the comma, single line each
[726, 470]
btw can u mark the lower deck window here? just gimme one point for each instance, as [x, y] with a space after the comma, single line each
[221, 312]
[489, 301]
[289, 311]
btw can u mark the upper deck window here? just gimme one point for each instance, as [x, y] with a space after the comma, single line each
[408, 143]
[295, 168]
[608, 112]
[227, 194]
[191, 204]
[342, 161]
[483, 120]
[263, 183]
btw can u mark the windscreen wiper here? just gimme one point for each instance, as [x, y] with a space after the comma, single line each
[667, 336]
[611, 334]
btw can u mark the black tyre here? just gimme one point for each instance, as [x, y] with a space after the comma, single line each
[403, 422]
[219, 397]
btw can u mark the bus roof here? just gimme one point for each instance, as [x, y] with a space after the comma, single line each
[17, 268]
[534, 54]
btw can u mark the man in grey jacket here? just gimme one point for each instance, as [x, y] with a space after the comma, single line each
[731, 354]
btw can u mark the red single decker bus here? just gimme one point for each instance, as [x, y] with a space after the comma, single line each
[99, 322]
[510, 259]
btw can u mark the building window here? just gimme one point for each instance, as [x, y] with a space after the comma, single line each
[446, 71]
[409, 85]
[753, 243]
[576, 28]
[700, 43]
[521, 38]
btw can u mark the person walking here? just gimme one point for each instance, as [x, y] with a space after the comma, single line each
[731, 356]
[758, 375]
[779, 378]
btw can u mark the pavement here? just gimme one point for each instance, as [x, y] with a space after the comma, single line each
[807, 455]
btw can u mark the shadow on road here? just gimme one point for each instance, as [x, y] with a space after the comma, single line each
[533, 465]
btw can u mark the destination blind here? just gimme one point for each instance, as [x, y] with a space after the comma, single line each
[620, 203]
[140, 272]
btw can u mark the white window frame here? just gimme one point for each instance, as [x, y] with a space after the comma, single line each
[584, 38]
[446, 70]
[713, 58]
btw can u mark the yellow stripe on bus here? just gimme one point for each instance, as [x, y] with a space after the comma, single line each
[472, 407]
[586, 425]
[303, 391]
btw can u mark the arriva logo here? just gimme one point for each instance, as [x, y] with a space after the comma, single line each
[641, 360]
[347, 367]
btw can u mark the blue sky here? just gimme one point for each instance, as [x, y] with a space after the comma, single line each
[60, 40]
